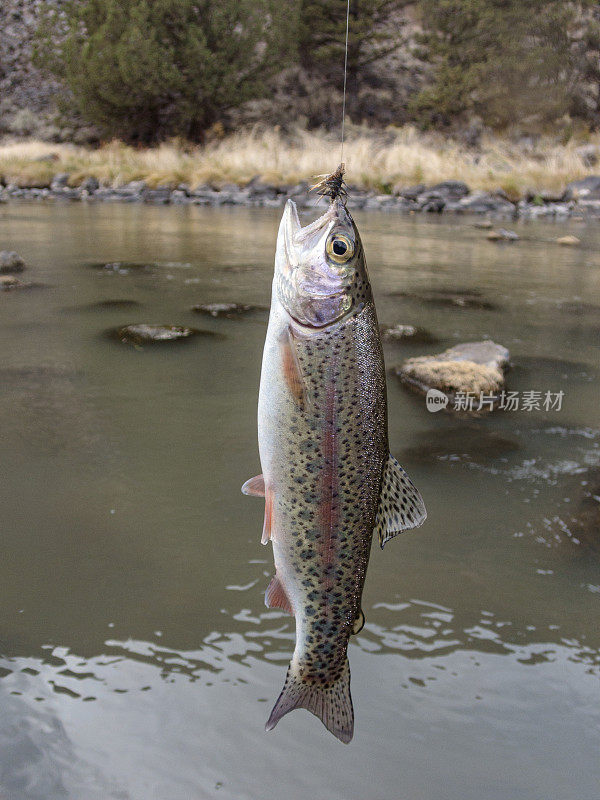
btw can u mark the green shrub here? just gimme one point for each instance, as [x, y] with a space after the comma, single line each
[505, 60]
[144, 70]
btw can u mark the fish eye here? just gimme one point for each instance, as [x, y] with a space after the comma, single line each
[339, 248]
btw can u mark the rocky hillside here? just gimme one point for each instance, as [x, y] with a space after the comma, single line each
[27, 98]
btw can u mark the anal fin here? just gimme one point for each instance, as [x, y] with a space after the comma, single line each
[276, 597]
[400, 504]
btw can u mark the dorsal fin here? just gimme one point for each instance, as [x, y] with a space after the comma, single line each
[400, 505]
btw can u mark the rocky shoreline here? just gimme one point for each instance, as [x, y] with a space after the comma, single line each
[579, 198]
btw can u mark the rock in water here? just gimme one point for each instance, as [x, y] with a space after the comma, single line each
[102, 305]
[154, 334]
[9, 283]
[460, 298]
[229, 310]
[474, 368]
[122, 267]
[407, 333]
[11, 261]
[502, 235]
[568, 241]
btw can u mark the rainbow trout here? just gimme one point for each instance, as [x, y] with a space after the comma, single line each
[328, 480]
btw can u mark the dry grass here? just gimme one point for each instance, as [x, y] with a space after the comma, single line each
[381, 161]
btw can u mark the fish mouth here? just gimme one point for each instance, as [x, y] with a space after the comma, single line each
[297, 235]
[325, 276]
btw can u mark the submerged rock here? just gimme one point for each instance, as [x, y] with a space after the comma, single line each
[407, 333]
[122, 267]
[229, 310]
[461, 298]
[11, 261]
[102, 305]
[470, 444]
[143, 333]
[503, 235]
[473, 368]
[9, 283]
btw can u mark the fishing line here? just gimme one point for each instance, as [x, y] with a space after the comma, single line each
[345, 76]
[333, 185]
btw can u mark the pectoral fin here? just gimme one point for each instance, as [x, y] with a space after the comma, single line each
[254, 487]
[292, 371]
[275, 596]
[400, 505]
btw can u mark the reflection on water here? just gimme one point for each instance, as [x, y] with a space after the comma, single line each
[416, 629]
[111, 721]
[138, 659]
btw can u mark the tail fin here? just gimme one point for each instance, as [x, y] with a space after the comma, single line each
[332, 704]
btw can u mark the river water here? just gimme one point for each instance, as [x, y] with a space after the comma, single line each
[138, 658]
